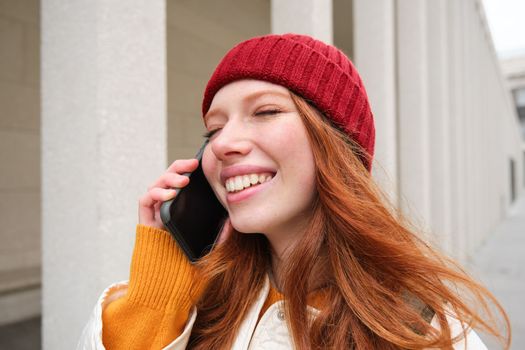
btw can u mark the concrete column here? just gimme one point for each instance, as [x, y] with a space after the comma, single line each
[469, 71]
[311, 17]
[456, 97]
[374, 56]
[103, 143]
[413, 127]
[439, 120]
[476, 120]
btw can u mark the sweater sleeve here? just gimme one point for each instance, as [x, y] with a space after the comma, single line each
[162, 289]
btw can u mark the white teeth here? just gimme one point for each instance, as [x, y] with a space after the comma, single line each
[238, 183]
[246, 181]
[241, 182]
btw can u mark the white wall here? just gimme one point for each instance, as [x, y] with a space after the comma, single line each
[198, 37]
[103, 142]
[310, 17]
[375, 58]
[446, 123]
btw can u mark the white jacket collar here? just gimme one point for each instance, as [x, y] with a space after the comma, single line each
[242, 341]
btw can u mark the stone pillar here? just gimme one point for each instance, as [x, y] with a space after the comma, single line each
[469, 130]
[103, 142]
[413, 132]
[311, 17]
[439, 121]
[456, 129]
[374, 55]
[475, 120]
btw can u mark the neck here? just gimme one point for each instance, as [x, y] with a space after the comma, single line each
[319, 276]
[283, 242]
[278, 262]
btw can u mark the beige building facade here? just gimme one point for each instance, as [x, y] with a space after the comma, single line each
[99, 97]
[20, 172]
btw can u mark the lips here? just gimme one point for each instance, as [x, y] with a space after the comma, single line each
[239, 192]
[240, 196]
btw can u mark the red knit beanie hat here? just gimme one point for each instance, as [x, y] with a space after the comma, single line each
[318, 72]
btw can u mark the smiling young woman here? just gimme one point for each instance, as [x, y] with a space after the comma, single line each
[312, 256]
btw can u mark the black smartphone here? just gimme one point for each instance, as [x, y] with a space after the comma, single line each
[194, 216]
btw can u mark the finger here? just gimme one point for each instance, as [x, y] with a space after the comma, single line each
[161, 194]
[170, 180]
[146, 215]
[148, 210]
[183, 165]
[156, 210]
[146, 201]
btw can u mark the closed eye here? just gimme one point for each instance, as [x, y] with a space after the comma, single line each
[210, 133]
[268, 112]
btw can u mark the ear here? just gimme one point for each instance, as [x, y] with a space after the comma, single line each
[226, 231]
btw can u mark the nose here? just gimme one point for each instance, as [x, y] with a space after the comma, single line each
[230, 142]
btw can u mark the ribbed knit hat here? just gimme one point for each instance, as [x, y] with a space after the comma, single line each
[318, 72]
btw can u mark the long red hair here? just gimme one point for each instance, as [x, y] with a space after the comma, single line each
[380, 279]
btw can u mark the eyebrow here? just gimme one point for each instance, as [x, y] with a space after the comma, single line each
[249, 98]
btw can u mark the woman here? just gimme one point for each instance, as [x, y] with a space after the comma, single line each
[311, 256]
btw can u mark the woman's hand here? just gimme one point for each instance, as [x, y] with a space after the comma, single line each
[162, 190]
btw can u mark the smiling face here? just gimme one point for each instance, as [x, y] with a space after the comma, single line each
[259, 161]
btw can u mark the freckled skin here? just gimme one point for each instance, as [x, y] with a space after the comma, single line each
[275, 140]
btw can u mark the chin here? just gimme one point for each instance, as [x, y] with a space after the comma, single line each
[246, 228]
[247, 219]
[248, 224]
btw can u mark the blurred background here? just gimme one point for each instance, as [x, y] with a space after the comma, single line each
[98, 97]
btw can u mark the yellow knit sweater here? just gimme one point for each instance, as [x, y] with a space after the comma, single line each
[162, 289]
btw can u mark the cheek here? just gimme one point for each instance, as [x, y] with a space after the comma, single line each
[299, 161]
[306, 171]
[210, 170]
[298, 147]
[209, 166]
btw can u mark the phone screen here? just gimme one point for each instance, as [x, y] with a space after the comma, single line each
[194, 216]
